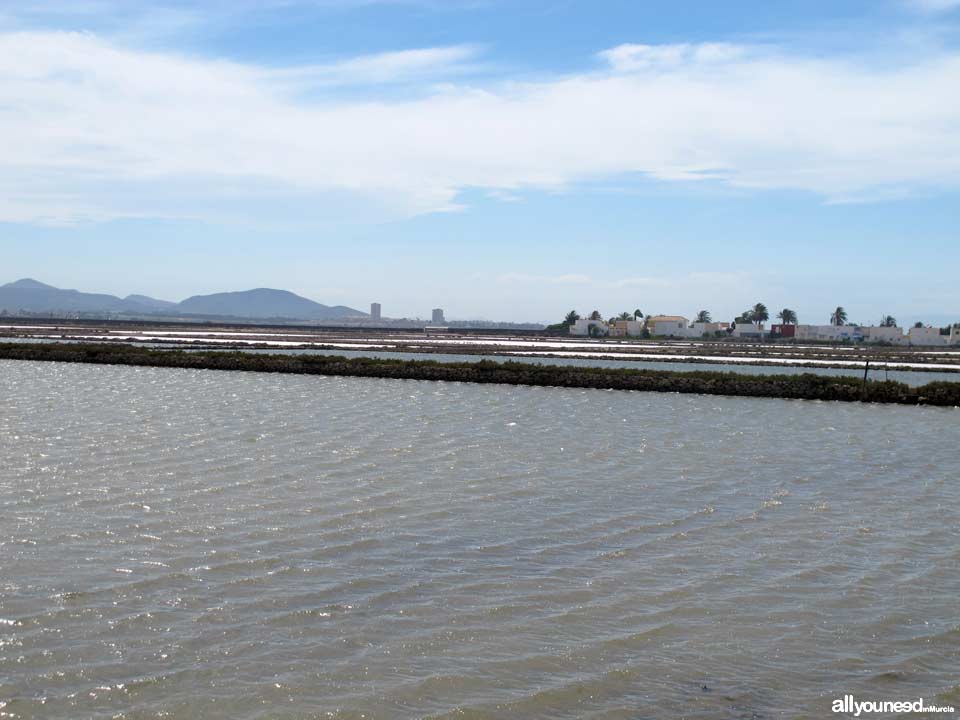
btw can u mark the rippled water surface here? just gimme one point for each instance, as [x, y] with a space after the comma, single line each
[199, 544]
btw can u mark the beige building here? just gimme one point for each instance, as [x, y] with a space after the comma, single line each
[625, 328]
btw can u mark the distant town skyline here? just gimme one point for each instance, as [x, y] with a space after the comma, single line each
[491, 158]
[263, 303]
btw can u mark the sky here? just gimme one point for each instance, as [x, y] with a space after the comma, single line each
[502, 159]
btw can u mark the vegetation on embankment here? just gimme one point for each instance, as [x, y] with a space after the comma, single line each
[806, 386]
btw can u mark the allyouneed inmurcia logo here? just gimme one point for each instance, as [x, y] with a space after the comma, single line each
[847, 704]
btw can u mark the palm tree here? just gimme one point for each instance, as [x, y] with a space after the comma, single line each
[703, 317]
[787, 316]
[759, 314]
[595, 315]
[625, 316]
[888, 321]
[571, 318]
[637, 314]
[839, 316]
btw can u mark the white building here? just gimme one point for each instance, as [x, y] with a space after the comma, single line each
[748, 330]
[668, 325]
[878, 334]
[699, 329]
[829, 333]
[884, 334]
[678, 326]
[582, 328]
[930, 336]
[437, 316]
[374, 311]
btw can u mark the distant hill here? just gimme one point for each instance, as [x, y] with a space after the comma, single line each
[34, 296]
[29, 294]
[149, 302]
[29, 284]
[264, 303]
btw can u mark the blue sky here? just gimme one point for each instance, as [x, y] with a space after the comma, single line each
[501, 159]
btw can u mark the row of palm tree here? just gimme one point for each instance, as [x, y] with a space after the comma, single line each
[758, 314]
[573, 316]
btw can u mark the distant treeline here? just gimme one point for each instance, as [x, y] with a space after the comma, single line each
[805, 387]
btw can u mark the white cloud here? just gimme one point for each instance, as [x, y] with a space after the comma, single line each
[94, 130]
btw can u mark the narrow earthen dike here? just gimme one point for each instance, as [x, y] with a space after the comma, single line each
[802, 387]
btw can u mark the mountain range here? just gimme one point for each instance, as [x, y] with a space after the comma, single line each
[261, 303]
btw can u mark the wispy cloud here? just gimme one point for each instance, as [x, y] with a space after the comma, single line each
[131, 23]
[94, 129]
[517, 278]
[641, 282]
[635, 58]
[504, 196]
[420, 64]
[573, 279]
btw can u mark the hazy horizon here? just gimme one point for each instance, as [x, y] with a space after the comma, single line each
[930, 318]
